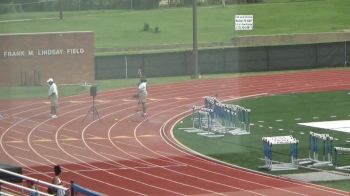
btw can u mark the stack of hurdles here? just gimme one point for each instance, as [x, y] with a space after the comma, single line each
[215, 119]
[228, 118]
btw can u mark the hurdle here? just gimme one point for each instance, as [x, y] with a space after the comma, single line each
[201, 117]
[318, 142]
[227, 118]
[271, 165]
[341, 151]
[202, 122]
[195, 119]
[215, 119]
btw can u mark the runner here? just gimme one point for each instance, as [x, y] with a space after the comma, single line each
[142, 94]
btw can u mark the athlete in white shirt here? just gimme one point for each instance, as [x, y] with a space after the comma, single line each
[53, 95]
[142, 92]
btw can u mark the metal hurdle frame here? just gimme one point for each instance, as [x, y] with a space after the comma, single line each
[217, 112]
[227, 118]
[271, 165]
[341, 151]
[193, 129]
[25, 188]
[327, 150]
[216, 119]
[202, 122]
[240, 120]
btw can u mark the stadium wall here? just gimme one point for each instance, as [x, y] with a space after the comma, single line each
[31, 58]
[225, 60]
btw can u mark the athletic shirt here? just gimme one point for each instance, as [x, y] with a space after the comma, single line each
[53, 89]
[143, 87]
[60, 192]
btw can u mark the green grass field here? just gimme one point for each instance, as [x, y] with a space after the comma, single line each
[118, 29]
[276, 116]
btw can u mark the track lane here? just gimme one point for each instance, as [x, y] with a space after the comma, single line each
[138, 146]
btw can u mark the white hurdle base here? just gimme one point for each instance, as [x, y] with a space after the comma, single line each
[309, 162]
[279, 167]
[209, 134]
[191, 130]
[201, 132]
[238, 131]
[343, 168]
[283, 167]
[306, 161]
[272, 165]
[322, 164]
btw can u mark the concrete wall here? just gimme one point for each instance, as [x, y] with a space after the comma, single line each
[290, 39]
[225, 60]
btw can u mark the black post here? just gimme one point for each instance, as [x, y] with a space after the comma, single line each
[195, 48]
[346, 54]
[316, 55]
[71, 188]
[61, 9]
[267, 57]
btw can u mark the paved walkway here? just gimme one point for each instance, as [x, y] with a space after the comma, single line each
[318, 176]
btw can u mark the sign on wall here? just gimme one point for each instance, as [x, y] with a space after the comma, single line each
[31, 58]
[243, 22]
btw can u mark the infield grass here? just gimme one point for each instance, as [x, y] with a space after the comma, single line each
[276, 116]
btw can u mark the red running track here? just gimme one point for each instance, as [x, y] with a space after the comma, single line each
[122, 154]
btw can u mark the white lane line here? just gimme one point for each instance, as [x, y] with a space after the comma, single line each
[43, 146]
[18, 132]
[16, 147]
[73, 146]
[118, 158]
[102, 145]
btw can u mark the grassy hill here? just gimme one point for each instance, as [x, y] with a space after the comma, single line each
[118, 29]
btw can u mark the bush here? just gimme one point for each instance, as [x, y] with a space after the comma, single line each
[145, 4]
[156, 30]
[146, 27]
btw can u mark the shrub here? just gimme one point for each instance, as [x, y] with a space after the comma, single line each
[146, 27]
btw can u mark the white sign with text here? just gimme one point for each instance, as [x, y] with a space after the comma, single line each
[243, 22]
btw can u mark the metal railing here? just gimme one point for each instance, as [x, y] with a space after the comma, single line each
[23, 188]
